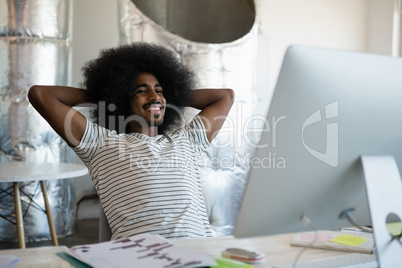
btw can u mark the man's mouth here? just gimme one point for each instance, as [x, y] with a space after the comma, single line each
[154, 108]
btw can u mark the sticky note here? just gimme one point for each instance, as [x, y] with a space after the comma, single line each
[349, 240]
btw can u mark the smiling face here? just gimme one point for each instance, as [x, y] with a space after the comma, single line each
[148, 103]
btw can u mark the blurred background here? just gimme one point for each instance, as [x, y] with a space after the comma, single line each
[358, 25]
[271, 26]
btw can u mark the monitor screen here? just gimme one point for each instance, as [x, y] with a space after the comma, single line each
[329, 108]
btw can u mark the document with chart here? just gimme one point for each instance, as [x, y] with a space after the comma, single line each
[143, 250]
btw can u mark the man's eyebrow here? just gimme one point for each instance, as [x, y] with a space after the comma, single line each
[145, 85]
[141, 85]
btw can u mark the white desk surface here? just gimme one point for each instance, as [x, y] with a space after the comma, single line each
[277, 249]
[30, 171]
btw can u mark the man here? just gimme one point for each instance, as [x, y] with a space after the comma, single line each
[141, 160]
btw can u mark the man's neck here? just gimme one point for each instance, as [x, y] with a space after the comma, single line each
[151, 131]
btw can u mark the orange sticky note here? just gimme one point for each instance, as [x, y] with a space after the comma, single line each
[349, 240]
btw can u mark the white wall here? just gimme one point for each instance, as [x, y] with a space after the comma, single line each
[379, 26]
[340, 24]
[95, 27]
[359, 25]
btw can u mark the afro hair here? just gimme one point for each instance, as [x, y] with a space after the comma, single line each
[111, 80]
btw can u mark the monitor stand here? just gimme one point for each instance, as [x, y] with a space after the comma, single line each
[384, 193]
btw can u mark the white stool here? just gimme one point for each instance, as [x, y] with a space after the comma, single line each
[16, 172]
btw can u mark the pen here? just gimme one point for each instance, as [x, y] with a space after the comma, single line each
[229, 263]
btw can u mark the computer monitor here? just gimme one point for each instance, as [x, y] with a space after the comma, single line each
[329, 108]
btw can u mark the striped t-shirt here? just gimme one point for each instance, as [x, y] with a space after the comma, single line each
[148, 184]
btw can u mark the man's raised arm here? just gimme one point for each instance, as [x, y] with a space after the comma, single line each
[215, 105]
[54, 104]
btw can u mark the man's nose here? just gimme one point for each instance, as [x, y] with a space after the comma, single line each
[154, 96]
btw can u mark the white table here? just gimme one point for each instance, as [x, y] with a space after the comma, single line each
[16, 172]
[276, 248]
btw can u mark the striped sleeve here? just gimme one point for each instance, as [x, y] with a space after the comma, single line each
[196, 133]
[90, 142]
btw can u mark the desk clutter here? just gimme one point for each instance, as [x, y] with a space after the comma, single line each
[143, 250]
[349, 241]
[146, 250]
[153, 251]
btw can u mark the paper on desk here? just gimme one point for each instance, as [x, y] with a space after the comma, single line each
[143, 250]
[8, 261]
[331, 240]
[349, 240]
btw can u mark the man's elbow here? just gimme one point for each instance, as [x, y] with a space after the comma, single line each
[34, 94]
[230, 95]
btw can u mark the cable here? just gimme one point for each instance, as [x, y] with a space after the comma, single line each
[347, 213]
[307, 223]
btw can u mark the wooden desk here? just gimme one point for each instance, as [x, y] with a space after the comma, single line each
[37, 257]
[276, 248]
[16, 172]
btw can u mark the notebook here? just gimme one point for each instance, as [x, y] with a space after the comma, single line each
[350, 241]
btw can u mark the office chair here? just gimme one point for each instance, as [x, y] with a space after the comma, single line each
[105, 234]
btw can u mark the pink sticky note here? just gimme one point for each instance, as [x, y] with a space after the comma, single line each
[312, 237]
